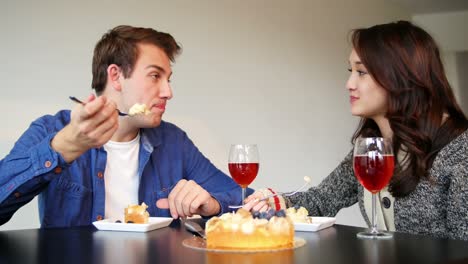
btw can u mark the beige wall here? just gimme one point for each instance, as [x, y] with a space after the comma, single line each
[266, 71]
[448, 29]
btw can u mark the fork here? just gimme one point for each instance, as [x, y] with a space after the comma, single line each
[285, 194]
[76, 100]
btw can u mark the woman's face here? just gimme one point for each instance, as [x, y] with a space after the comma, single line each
[368, 99]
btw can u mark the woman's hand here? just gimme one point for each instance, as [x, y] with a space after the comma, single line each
[253, 203]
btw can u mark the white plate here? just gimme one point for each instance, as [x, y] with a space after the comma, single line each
[153, 223]
[318, 223]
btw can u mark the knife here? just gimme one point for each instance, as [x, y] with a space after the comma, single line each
[195, 227]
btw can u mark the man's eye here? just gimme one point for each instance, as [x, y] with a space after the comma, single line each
[350, 70]
[155, 76]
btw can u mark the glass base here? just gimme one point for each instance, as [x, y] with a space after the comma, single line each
[372, 235]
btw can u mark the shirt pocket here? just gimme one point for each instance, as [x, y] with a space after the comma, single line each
[70, 204]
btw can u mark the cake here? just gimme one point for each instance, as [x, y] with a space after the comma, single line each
[245, 230]
[138, 109]
[299, 215]
[136, 214]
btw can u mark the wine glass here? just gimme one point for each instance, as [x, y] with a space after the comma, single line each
[373, 165]
[243, 164]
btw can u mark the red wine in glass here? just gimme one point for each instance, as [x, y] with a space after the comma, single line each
[373, 164]
[243, 173]
[374, 172]
[243, 164]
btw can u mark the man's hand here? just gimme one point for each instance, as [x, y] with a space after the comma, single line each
[188, 198]
[91, 126]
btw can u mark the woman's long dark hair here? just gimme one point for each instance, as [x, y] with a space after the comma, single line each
[404, 60]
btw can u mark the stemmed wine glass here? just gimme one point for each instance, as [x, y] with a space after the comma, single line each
[243, 164]
[373, 165]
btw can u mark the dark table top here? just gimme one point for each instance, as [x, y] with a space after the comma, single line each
[337, 244]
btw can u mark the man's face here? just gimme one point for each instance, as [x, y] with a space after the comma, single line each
[148, 84]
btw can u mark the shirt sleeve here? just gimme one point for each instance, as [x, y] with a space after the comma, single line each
[27, 169]
[221, 187]
[338, 190]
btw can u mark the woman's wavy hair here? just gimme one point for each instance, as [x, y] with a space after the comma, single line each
[422, 109]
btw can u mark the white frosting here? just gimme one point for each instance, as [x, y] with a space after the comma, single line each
[248, 227]
[278, 225]
[235, 226]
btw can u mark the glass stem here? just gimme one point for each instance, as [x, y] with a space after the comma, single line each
[243, 195]
[374, 214]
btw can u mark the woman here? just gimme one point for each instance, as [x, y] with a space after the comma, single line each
[398, 87]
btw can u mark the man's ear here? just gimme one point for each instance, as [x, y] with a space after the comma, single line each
[113, 76]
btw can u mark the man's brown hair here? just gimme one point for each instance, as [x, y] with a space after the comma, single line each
[119, 46]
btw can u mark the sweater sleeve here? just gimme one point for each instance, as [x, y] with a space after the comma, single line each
[338, 190]
[457, 210]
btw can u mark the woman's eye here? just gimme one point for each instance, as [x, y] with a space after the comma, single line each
[350, 70]
[361, 73]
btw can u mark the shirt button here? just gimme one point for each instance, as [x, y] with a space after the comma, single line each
[99, 217]
[47, 164]
[386, 202]
[17, 194]
[100, 175]
[58, 170]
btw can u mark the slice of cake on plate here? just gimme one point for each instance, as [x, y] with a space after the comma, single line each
[136, 214]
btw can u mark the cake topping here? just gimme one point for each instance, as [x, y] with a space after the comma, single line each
[138, 109]
[298, 215]
[268, 214]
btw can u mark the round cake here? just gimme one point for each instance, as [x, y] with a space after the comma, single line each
[245, 230]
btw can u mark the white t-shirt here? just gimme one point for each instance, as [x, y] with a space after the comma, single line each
[121, 178]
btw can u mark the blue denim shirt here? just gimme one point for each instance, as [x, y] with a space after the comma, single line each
[73, 194]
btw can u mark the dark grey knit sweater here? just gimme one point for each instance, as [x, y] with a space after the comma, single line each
[438, 208]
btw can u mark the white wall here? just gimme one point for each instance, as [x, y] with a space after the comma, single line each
[266, 71]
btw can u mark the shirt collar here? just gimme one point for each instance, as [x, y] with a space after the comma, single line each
[152, 137]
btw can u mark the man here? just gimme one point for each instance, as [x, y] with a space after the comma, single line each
[91, 163]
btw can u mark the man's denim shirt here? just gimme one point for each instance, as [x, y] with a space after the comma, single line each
[73, 194]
